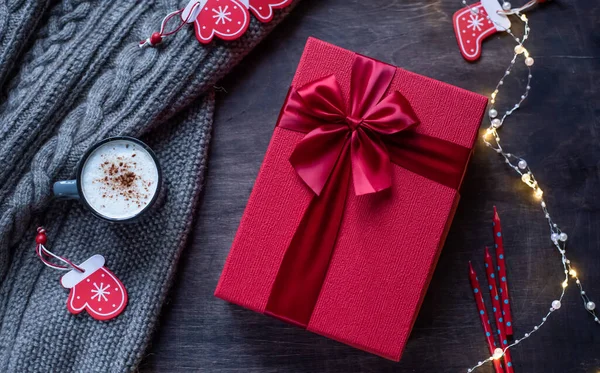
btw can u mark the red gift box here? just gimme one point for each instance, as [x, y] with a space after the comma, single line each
[353, 201]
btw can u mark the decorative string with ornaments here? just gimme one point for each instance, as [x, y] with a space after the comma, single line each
[225, 19]
[470, 19]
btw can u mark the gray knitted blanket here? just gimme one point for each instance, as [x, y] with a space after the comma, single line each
[72, 74]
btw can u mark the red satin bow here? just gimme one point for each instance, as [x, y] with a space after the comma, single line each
[319, 110]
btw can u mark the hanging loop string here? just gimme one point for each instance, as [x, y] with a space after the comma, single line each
[526, 6]
[44, 254]
[157, 37]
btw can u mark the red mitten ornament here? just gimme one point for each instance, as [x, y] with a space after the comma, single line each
[97, 290]
[226, 19]
[93, 287]
[475, 23]
[263, 9]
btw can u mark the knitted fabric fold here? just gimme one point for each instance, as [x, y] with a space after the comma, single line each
[18, 19]
[83, 79]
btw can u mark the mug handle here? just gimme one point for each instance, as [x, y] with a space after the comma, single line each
[66, 189]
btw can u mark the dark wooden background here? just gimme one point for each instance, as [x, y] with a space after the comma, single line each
[556, 130]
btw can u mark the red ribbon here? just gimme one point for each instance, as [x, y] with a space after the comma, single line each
[357, 142]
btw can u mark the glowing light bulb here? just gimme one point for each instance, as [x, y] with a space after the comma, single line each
[565, 284]
[519, 49]
[497, 353]
[539, 193]
[573, 273]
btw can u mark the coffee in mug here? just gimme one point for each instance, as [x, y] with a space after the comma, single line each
[118, 179]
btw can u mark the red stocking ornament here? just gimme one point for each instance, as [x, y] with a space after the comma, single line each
[92, 286]
[475, 23]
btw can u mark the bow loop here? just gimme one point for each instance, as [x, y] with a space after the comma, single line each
[318, 103]
[371, 166]
[318, 109]
[392, 115]
[324, 144]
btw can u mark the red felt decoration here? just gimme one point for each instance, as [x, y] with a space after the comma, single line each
[475, 23]
[92, 286]
[263, 9]
[96, 290]
[227, 19]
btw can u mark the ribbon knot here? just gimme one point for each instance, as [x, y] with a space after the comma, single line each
[353, 123]
[319, 110]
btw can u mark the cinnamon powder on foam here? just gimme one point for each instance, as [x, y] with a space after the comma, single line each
[119, 179]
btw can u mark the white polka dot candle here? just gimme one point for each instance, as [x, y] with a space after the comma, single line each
[483, 316]
[500, 259]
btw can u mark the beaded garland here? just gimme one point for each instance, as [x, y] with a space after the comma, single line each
[491, 138]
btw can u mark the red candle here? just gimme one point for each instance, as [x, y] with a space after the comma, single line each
[500, 259]
[491, 274]
[491, 277]
[483, 316]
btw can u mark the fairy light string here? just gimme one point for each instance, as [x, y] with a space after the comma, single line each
[491, 138]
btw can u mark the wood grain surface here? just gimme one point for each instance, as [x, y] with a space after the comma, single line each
[556, 130]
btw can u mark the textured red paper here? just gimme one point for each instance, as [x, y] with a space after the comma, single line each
[388, 243]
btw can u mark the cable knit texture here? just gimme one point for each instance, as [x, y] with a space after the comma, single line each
[18, 19]
[80, 79]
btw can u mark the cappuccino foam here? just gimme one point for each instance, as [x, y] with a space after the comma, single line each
[119, 179]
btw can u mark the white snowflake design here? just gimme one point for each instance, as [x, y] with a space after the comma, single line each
[475, 22]
[222, 14]
[101, 291]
